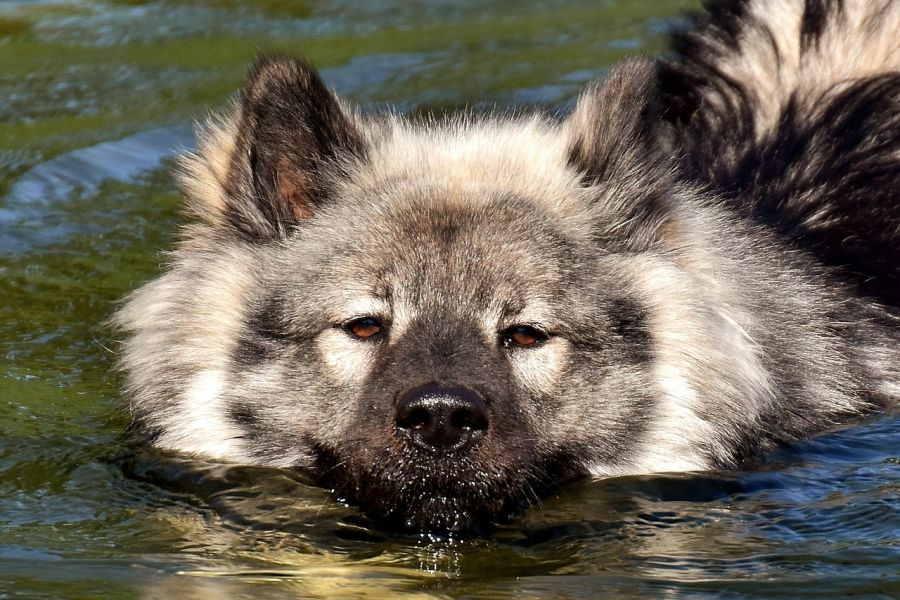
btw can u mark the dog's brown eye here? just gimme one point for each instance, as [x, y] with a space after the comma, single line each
[365, 328]
[523, 336]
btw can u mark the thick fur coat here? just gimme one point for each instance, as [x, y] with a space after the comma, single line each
[442, 318]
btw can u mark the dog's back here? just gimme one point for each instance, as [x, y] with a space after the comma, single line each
[791, 110]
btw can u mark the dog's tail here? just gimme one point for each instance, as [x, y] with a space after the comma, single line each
[791, 110]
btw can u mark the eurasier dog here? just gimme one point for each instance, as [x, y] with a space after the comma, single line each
[442, 317]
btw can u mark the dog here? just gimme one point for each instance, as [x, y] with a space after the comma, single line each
[442, 318]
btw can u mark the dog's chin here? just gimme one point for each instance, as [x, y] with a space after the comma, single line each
[437, 514]
[428, 499]
[461, 508]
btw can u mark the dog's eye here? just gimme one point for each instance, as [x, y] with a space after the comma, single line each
[366, 328]
[523, 336]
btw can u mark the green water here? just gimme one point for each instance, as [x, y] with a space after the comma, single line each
[92, 97]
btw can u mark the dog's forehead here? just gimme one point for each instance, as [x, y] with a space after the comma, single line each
[465, 238]
[438, 250]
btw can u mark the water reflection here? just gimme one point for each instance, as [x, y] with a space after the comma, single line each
[788, 523]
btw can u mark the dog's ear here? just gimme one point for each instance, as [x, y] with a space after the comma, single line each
[613, 125]
[613, 144]
[292, 135]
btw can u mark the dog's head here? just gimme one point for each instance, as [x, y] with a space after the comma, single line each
[438, 319]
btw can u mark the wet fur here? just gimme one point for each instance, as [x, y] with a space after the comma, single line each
[711, 241]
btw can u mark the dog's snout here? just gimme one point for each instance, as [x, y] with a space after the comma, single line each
[441, 417]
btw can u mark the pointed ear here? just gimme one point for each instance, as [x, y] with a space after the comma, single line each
[292, 135]
[611, 130]
[612, 144]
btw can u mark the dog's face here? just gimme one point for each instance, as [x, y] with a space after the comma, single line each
[441, 358]
[439, 322]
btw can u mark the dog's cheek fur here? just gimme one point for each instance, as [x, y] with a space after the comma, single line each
[177, 360]
[291, 388]
[600, 413]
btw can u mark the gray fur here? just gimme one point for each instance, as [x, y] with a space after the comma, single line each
[684, 333]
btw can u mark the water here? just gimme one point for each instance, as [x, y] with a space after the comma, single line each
[94, 99]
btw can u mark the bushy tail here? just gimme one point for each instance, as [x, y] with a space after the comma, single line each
[791, 110]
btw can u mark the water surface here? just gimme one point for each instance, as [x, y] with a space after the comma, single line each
[94, 99]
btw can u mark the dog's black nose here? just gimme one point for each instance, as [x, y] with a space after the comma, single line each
[441, 417]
